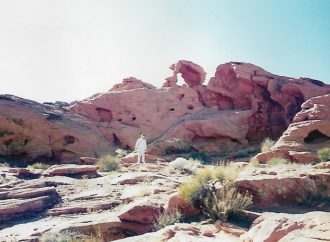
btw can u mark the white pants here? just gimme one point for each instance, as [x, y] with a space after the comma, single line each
[141, 155]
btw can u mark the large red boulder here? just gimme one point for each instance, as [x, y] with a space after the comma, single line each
[309, 131]
[193, 74]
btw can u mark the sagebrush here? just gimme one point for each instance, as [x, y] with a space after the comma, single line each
[267, 144]
[167, 218]
[108, 163]
[275, 161]
[69, 236]
[214, 192]
[40, 165]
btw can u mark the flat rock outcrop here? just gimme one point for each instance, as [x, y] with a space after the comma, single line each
[21, 202]
[308, 132]
[312, 226]
[89, 206]
[196, 116]
[71, 170]
[188, 232]
[285, 185]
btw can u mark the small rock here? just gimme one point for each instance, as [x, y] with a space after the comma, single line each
[272, 173]
[208, 234]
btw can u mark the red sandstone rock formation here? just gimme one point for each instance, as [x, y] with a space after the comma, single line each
[29, 130]
[241, 103]
[131, 83]
[309, 131]
[193, 74]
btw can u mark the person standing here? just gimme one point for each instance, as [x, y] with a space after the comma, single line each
[141, 147]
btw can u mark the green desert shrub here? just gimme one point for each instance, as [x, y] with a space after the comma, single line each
[324, 154]
[108, 163]
[267, 144]
[40, 165]
[213, 191]
[275, 161]
[167, 218]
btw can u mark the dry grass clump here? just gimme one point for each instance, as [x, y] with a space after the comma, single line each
[253, 162]
[167, 218]
[324, 154]
[267, 144]
[68, 236]
[144, 191]
[226, 173]
[218, 205]
[213, 191]
[40, 165]
[108, 163]
[276, 161]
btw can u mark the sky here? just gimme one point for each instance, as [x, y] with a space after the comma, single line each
[66, 50]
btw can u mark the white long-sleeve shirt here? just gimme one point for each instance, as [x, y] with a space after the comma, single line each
[141, 145]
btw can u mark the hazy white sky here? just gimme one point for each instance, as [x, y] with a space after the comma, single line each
[71, 49]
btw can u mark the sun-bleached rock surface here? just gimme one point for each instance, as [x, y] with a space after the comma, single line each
[126, 204]
[21, 201]
[117, 205]
[308, 132]
[312, 226]
[189, 233]
[71, 170]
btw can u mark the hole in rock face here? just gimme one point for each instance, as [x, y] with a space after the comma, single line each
[180, 81]
[68, 139]
[172, 109]
[8, 142]
[104, 114]
[134, 118]
[315, 137]
[53, 116]
[116, 140]
[190, 107]
[120, 120]
[181, 96]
